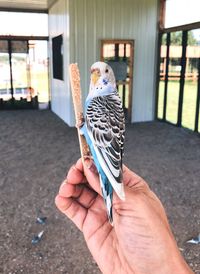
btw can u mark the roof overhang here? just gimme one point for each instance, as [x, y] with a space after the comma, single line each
[24, 5]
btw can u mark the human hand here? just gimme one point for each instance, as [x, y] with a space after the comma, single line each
[140, 241]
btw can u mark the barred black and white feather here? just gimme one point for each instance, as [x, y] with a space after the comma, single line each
[106, 127]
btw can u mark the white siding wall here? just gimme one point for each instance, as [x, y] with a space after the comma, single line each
[86, 22]
[60, 91]
[93, 20]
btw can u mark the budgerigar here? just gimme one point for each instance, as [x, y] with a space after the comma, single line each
[104, 130]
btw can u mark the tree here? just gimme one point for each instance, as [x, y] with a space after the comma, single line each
[176, 39]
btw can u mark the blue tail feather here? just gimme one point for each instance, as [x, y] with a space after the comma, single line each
[107, 191]
[106, 187]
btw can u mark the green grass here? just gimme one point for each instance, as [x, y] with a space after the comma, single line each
[120, 90]
[189, 103]
[39, 82]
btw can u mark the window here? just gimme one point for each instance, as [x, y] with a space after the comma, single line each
[119, 55]
[57, 49]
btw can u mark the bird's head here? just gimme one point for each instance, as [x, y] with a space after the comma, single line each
[103, 71]
[102, 80]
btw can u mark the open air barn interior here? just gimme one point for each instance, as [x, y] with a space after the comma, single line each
[157, 66]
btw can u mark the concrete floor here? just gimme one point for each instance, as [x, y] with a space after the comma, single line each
[37, 149]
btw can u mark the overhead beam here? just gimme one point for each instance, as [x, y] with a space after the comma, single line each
[24, 38]
[191, 26]
[10, 9]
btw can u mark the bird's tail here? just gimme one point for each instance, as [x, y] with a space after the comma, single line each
[107, 192]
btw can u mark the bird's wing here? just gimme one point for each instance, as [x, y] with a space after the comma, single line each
[106, 127]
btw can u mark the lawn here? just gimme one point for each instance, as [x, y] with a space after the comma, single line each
[189, 103]
[37, 77]
[39, 82]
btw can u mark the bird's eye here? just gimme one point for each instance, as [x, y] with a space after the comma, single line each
[106, 71]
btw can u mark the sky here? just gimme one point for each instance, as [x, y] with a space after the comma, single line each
[181, 12]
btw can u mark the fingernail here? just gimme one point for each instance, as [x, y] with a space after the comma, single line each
[93, 168]
[64, 182]
[90, 165]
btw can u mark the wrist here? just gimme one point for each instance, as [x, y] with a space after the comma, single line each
[174, 264]
[180, 266]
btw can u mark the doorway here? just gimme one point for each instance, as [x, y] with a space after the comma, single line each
[119, 55]
[23, 73]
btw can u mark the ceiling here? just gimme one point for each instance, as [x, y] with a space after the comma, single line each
[40, 5]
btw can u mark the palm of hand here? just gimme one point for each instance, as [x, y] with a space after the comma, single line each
[123, 247]
[113, 246]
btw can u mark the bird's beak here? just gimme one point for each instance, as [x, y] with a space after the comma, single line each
[95, 76]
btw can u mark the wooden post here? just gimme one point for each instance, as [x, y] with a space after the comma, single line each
[158, 74]
[166, 77]
[196, 127]
[182, 79]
